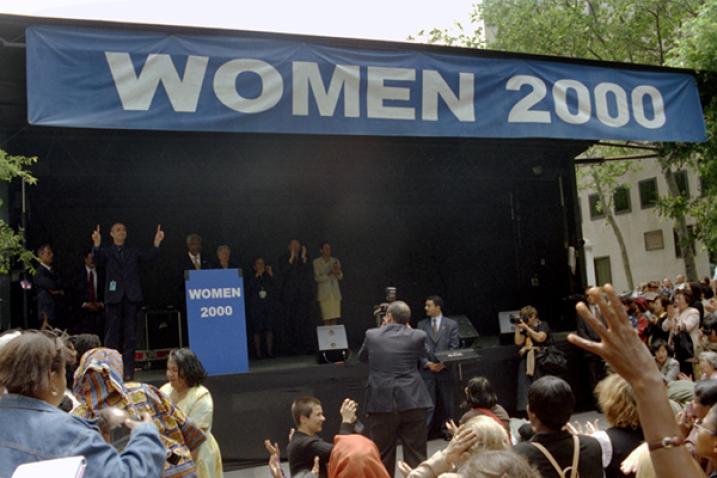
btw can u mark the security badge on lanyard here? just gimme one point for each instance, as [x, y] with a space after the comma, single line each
[262, 294]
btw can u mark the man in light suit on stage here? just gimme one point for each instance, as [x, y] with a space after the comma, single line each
[397, 400]
[442, 335]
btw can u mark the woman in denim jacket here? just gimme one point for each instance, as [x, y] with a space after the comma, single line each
[32, 428]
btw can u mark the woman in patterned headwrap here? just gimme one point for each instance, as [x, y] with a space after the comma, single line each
[99, 385]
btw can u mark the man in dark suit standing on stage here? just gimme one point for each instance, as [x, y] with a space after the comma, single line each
[49, 290]
[192, 260]
[442, 335]
[123, 289]
[89, 298]
[397, 400]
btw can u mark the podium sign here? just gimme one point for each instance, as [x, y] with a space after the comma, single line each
[216, 319]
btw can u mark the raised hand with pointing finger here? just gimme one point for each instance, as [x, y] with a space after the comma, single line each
[96, 236]
[158, 236]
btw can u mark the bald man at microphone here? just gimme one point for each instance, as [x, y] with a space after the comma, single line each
[123, 289]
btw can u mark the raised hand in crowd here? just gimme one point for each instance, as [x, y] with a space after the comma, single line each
[158, 236]
[451, 427]
[622, 349]
[457, 450]
[589, 428]
[455, 454]
[274, 460]
[315, 470]
[348, 411]
[96, 236]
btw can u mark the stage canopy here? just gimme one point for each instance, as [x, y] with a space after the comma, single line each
[437, 170]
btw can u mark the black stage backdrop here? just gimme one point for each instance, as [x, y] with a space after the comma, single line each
[483, 223]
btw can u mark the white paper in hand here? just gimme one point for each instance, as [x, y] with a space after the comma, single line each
[72, 467]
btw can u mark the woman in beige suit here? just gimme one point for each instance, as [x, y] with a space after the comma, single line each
[328, 273]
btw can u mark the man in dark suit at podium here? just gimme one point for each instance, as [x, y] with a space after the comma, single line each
[397, 400]
[194, 259]
[123, 289]
[442, 335]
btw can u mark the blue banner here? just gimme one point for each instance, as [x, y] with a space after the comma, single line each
[91, 78]
[216, 320]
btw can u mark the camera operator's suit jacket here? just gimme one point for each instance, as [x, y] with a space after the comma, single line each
[446, 338]
[393, 353]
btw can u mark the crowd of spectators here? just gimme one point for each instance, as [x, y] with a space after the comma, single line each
[660, 411]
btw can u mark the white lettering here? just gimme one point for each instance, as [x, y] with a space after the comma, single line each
[601, 105]
[377, 92]
[345, 77]
[216, 293]
[434, 86]
[522, 112]
[560, 97]
[137, 91]
[658, 107]
[225, 85]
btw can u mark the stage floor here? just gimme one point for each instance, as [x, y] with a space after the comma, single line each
[156, 375]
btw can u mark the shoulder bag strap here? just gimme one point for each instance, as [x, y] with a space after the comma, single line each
[550, 458]
[576, 458]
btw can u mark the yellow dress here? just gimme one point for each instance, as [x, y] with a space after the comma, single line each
[198, 405]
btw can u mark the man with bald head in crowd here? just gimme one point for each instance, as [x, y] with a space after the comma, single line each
[397, 400]
[122, 288]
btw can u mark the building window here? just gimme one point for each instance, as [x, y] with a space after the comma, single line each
[603, 273]
[648, 193]
[621, 200]
[683, 183]
[596, 211]
[678, 246]
[654, 241]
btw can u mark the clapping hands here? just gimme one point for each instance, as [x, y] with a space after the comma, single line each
[348, 411]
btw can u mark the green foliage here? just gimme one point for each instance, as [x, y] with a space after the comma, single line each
[697, 48]
[442, 36]
[12, 245]
[603, 178]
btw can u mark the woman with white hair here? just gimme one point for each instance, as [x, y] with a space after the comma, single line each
[477, 435]
[708, 365]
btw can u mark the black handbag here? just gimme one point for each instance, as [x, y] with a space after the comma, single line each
[683, 346]
[552, 360]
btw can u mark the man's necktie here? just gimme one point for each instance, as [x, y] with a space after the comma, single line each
[197, 262]
[91, 286]
[434, 326]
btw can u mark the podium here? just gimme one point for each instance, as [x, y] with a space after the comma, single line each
[216, 319]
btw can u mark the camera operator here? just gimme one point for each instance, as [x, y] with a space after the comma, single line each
[530, 335]
[379, 310]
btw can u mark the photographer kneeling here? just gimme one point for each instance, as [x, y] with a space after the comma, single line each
[530, 335]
